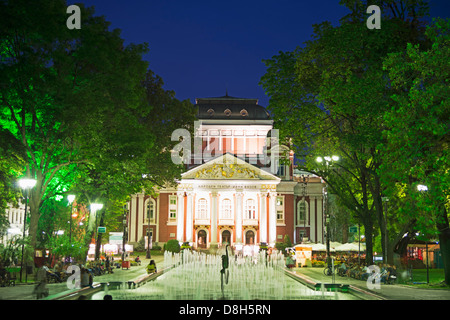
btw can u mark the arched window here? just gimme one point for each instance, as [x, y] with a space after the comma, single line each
[226, 212]
[249, 237]
[202, 209]
[250, 209]
[202, 239]
[226, 237]
[302, 212]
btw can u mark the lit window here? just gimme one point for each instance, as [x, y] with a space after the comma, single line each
[280, 209]
[150, 214]
[172, 208]
[226, 209]
[250, 209]
[202, 209]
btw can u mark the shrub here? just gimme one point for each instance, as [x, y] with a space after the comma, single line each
[172, 246]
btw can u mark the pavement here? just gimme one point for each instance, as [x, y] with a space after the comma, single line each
[25, 291]
[312, 275]
[385, 292]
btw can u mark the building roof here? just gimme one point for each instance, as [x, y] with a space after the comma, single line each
[227, 107]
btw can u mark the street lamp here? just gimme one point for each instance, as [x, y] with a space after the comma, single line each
[25, 184]
[328, 161]
[424, 188]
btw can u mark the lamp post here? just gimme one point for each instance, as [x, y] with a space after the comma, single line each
[328, 161]
[25, 184]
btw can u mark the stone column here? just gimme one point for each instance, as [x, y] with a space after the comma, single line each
[180, 216]
[262, 218]
[313, 221]
[272, 217]
[239, 198]
[132, 219]
[214, 217]
[189, 217]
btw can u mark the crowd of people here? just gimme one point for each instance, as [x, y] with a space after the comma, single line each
[384, 273]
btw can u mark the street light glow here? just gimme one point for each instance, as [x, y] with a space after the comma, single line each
[422, 187]
[26, 183]
[70, 197]
[96, 206]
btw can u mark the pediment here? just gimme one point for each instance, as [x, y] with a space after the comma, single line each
[228, 167]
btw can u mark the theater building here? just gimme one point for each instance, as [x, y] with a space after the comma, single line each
[237, 190]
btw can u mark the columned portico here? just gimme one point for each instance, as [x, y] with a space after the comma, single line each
[233, 188]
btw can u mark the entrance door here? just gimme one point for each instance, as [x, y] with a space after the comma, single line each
[201, 239]
[250, 237]
[226, 237]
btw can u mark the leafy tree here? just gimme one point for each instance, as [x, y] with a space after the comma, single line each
[66, 95]
[417, 132]
[330, 96]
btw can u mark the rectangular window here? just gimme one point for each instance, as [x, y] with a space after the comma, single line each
[280, 209]
[172, 208]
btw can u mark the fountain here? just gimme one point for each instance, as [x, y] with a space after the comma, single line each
[198, 276]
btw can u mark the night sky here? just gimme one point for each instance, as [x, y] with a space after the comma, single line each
[203, 48]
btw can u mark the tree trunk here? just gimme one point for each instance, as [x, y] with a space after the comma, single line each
[442, 225]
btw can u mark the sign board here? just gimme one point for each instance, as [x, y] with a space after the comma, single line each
[116, 238]
[353, 229]
[101, 229]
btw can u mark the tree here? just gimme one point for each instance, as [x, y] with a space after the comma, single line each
[330, 96]
[63, 92]
[417, 132]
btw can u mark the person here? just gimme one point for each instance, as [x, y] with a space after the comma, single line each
[342, 269]
[138, 260]
[51, 274]
[392, 274]
[108, 265]
[85, 278]
[41, 289]
[151, 268]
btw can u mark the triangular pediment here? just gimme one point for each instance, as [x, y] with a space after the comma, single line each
[228, 167]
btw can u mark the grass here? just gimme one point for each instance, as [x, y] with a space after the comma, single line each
[419, 279]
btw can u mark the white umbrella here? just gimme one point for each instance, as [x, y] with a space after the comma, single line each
[350, 247]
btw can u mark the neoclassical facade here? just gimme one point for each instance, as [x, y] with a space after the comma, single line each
[237, 191]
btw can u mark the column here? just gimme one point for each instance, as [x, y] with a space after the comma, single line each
[214, 215]
[272, 218]
[239, 198]
[262, 218]
[313, 221]
[132, 219]
[180, 215]
[320, 220]
[141, 219]
[189, 217]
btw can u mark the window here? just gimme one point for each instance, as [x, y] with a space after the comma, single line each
[226, 209]
[301, 212]
[150, 211]
[202, 209]
[250, 210]
[280, 209]
[172, 208]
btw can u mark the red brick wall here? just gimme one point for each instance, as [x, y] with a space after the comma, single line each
[163, 217]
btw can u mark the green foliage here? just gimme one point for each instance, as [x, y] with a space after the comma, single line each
[172, 246]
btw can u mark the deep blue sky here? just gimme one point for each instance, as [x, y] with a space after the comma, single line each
[202, 48]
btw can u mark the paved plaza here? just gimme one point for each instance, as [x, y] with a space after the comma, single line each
[315, 275]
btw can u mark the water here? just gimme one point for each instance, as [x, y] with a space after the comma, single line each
[197, 276]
